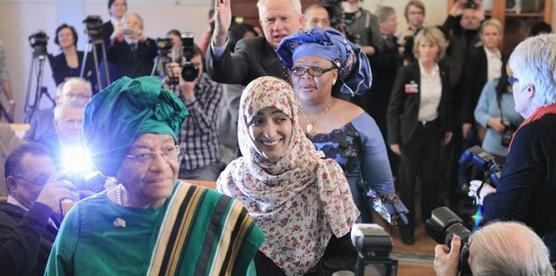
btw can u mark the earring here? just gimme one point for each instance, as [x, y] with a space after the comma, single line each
[334, 82]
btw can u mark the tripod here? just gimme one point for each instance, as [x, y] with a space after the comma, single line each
[92, 44]
[39, 56]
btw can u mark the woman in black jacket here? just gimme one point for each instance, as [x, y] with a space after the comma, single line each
[419, 122]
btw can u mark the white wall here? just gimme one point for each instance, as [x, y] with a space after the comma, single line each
[19, 19]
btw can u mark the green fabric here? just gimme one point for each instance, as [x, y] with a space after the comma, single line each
[123, 111]
[89, 244]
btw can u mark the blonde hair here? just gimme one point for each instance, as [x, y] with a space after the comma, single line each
[491, 22]
[434, 35]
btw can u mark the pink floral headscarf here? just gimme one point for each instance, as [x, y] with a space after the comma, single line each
[300, 200]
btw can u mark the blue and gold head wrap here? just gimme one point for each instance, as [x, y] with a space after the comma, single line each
[352, 63]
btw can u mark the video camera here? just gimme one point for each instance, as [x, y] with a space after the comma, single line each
[93, 26]
[484, 161]
[442, 226]
[38, 42]
[373, 246]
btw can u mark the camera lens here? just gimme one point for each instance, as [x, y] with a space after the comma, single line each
[189, 72]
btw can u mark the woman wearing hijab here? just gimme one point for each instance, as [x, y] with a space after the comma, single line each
[300, 200]
[322, 63]
[149, 223]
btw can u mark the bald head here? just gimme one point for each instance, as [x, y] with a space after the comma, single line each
[316, 16]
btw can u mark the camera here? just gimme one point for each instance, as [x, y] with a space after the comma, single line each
[93, 26]
[189, 71]
[373, 246]
[507, 135]
[38, 42]
[442, 226]
[470, 4]
[90, 182]
[484, 161]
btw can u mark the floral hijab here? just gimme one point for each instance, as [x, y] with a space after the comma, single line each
[300, 200]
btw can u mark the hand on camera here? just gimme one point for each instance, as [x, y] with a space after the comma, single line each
[496, 124]
[446, 259]
[479, 189]
[187, 88]
[55, 191]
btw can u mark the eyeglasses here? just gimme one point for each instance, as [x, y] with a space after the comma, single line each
[168, 153]
[39, 181]
[314, 71]
[512, 80]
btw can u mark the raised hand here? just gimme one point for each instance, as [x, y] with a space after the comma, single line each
[222, 22]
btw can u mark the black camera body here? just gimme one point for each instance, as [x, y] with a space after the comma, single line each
[189, 71]
[93, 26]
[91, 182]
[442, 226]
[470, 4]
[484, 161]
[38, 42]
[508, 133]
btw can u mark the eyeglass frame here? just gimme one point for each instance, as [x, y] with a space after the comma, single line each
[134, 157]
[307, 70]
[33, 182]
[511, 80]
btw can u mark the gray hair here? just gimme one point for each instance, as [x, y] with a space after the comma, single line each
[296, 3]
[509, 248]
[128, 14]
[383, 12]
[534, 61]
[69, 81]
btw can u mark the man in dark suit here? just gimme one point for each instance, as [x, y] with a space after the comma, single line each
[30, 218]
[253, 57]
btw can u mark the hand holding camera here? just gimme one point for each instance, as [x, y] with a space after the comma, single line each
[496, 124]
[479, 190]
[57, 192]
[446, 259]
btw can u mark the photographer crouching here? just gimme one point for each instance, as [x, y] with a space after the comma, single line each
[500, 248]
[527, 186]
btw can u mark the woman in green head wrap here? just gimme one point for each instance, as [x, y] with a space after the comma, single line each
[149, 223]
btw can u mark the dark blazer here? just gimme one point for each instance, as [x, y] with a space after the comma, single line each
[403, 109]
[474, 78]
[26, 239]
[61, 70]
[252, 58]
[131, 63]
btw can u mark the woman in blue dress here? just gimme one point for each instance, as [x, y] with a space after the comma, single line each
[322, 62]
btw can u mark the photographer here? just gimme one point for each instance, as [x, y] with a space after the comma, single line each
[495, 112]
[29, 220]
[198, 139]
[500, 248]
[131, 53]
[69, 62]
[527, 186]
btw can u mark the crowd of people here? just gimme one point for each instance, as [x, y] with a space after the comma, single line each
[310, 124]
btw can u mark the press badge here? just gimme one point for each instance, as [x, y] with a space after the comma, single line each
[411, 87]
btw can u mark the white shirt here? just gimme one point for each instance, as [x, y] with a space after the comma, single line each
[494, 64]
[431, 91]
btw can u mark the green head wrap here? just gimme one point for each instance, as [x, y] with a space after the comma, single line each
[123, 111]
